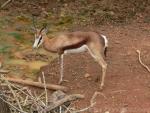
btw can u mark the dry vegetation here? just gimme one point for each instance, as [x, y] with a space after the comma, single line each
[81, 12]
[72, 15]
[23, 100]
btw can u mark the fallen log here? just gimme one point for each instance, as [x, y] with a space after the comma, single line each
[37, 84]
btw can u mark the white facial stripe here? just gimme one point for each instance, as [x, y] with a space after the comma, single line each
[35, 45]
[38, 41]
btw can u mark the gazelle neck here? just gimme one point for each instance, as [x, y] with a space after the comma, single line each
[48, 44]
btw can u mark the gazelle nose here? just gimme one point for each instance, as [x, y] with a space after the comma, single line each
[34, 47]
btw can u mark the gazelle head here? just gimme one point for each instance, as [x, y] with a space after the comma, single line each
[39, 37]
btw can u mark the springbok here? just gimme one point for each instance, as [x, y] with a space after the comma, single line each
[74, 42]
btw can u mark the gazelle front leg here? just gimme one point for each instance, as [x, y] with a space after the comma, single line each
[61, 58]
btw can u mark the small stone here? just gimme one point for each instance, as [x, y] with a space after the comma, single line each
[117, 42]
[89, 79]
[87, 75]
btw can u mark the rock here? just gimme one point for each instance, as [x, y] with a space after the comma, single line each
[117, 42]
[19, 28]
[89, 79]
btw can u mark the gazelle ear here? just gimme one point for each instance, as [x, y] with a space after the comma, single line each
[44, 30]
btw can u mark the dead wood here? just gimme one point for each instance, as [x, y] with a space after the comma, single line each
[2, 71]
[4, 108]
[37, 84]
[6, 3]
[65, 99]
[139, 57]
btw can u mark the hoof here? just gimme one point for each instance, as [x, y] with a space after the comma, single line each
[60, 82]
[101, 87]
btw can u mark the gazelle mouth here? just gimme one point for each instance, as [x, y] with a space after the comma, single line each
[34, 47]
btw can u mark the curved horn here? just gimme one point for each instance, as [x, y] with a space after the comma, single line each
[34, 22]
[44, 27]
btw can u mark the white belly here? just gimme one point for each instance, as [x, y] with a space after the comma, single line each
[77, 50]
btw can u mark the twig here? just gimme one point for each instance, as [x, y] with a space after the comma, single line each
[145, 66]
[60, 109]
[92, 101]
[46, 97]
[41, 95]
[25, 101]
[39, 98]
[119, 91]
[4, 4]
[68, 109]
[13, 92]
[95, 95]
[39, 104]
[84, 109]
[20, 89]
[12, 105]
[34, 99]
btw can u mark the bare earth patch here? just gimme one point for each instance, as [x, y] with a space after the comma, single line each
[127, 85]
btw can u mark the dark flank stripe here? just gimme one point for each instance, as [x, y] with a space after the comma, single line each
[77, 45]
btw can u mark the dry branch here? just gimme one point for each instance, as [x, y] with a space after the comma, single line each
[7, 2]
[65, 99]
[2, 71]
[14, 93]
[46, 97]
[37, 84]
[145, 66]
[28, 102]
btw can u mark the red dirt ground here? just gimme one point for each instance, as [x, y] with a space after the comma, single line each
[127, 85]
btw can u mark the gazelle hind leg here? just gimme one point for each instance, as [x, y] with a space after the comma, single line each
[101, 61]
[98, 58]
